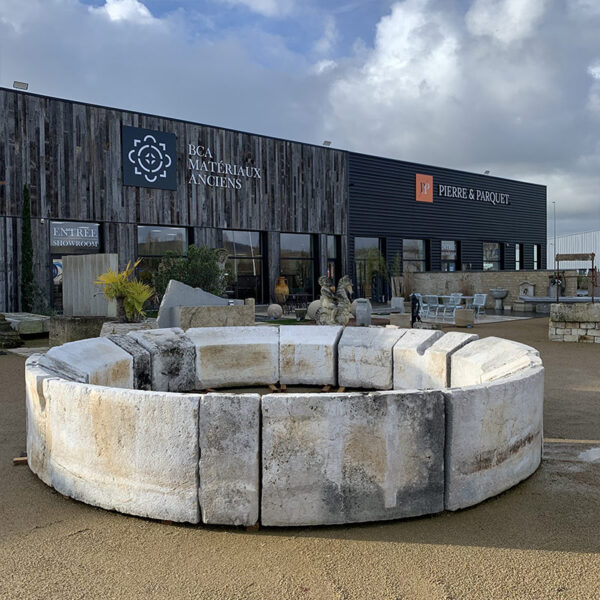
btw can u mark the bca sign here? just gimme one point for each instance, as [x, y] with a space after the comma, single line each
[149, 158]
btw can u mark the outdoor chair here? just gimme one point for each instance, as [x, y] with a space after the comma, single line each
[479, 303]
[423, 306]
[433, 304]
[451, 304]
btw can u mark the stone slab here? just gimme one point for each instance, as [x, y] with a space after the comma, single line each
[180, 294]
[115, 328]
[464, 317]
[127, 450]
[142, 367]
[333, 458]
[172, 358]
[214, 316]
[308, 354]
[493, 436]
[587, 313]
[400, 320]
[38, 440]
[489, 359]
[97, 361]
[408, 357]
[235, 356]
[28, 323]
[229, 459]
[70, 329]
[365, 357]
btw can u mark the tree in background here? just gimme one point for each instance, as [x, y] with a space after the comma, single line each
[27, 281]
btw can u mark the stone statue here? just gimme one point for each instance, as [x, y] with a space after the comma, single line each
[335, 303]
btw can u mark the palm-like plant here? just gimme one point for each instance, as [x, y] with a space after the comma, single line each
[130, 294]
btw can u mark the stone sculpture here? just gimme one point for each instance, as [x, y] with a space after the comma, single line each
[335, 302]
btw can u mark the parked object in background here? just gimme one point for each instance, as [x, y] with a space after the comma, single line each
[363, 312]
[498, 294]
[464, 317]
[416, 307]
[451, 304]
[281, 291]
[9, 338]
[433, 305]
[274, 312]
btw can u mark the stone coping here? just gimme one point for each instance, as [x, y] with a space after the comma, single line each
[134, 423]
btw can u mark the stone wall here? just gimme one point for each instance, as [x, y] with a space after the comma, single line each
[480, 282]
[575, 323]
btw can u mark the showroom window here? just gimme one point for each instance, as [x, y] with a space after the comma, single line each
[492, 260]
[537, 255]
[153, 243]
[369, 253]
[518, 257]
[450, 259]
[244, 263]
[414, 255]
[297, 264]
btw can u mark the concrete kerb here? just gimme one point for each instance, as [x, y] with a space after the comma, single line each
[228, 488]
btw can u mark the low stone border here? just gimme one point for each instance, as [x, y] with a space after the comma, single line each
[455, 420]
[575, 323]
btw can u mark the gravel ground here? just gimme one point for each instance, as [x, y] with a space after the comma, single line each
[539, 540]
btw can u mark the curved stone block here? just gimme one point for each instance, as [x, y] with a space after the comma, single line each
[426, 365]
[308, 354]
[172, 358]
[229, 450]
[365, 357]
[489, 359]
[94, 360]
[235, 356]
[493, 436]
[39, 442]
[127, 450]
[408, 357]
[343, 458]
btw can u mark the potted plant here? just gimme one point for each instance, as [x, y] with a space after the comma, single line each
[129, 293]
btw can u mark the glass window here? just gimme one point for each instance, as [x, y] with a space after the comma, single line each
[368, 252]
[536, 257]
[333, 266]
[157, 241]
[413, 255]
[491, 256]
[449, 255]
[244, 263]
[297, 263]
[69, 237]
[518, 256]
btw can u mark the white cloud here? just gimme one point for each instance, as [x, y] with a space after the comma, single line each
[125, 10]
[507, 21]
[330, 36]
[594, 69]
[267, 8]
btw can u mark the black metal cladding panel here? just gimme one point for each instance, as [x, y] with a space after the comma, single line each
[382, 203]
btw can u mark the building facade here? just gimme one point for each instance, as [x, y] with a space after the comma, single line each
[109, 180]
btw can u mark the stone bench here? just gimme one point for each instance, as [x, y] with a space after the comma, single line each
[427, 422]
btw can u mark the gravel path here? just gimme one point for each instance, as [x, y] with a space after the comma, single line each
[539, 540]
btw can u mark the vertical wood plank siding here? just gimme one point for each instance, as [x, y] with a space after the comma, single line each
[382, 204]
[69, 154]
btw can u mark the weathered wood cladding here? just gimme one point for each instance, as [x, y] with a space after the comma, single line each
[69, 154]
[382, 204]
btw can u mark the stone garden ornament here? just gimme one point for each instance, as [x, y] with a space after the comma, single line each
[335, 302]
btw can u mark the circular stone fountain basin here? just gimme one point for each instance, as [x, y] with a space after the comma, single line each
[439, 422]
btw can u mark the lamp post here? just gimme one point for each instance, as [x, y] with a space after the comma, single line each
[554, 219]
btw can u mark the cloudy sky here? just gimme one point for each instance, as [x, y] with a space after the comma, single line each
[510, 86]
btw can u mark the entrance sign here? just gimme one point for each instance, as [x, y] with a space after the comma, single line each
[67, 237]
[149, 158]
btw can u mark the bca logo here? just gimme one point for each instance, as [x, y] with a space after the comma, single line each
[424, 188]
[149, 158]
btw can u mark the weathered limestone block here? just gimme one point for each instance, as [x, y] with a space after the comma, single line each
[116, 328]
[493, 436]
[332, 458]
[576, 313]
[172, 358]
[429, 368]
[214, 316]
[37, 412]
[96, 360]
[142, 369]
[229, 454]
[408, 357]
[308, 355]
[489, 359]
[127, 450]
[365, 357]
[400, 320]
[235, 356]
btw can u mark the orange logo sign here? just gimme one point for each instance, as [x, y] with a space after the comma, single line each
[424, 188]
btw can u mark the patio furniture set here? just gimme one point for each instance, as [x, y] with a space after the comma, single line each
[434, 305]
